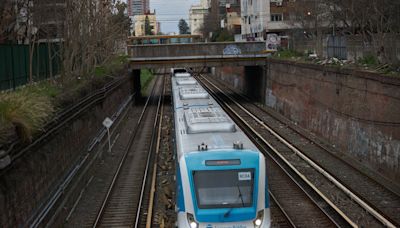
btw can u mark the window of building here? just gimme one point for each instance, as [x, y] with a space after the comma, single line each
[276, 17]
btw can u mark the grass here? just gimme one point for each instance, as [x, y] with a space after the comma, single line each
[287, 54]
[145, 78]
[111, 67]
[25, 111]
[369, 60]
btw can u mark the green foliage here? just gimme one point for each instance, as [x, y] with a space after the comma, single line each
[147, 27]
[145, 78]
[100, 71]
[120, 18]
[222, 36]
[44, 88]
[111, 67]
[287, 54]
[183, 27]
[369, 60]
[24, 112]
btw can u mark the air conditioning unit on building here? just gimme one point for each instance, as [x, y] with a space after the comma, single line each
[279, 3]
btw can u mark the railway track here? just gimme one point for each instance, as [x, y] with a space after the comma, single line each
[163, 211]
[338, 202]
[126, 195]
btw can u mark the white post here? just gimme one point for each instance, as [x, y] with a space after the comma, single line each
[109, 140]
[108, 123]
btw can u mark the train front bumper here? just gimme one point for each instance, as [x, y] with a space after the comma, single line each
[183, 221]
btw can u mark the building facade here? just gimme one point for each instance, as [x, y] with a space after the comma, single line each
[140, 24]
[232, 16]
[283, 16]
[197, 14]
[255, 15]
[138, 7]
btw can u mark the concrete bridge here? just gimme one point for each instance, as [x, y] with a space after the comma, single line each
[197, 55]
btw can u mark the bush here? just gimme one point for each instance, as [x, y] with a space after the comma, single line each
[111, 67]
[145, 78]
[23, 113]
[287, 54]
[369, 60]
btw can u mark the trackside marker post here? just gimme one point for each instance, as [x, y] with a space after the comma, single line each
[108, 123]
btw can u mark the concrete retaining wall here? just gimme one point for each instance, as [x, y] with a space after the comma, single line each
[30, 181]
[358, 112]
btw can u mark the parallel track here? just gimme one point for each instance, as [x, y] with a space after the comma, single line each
[379, 201]
[149, 218]
[126, 195]
[283, 149]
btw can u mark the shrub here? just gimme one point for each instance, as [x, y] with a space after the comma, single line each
[23, 113]
[145, 78]
[369, 60]
[287, 54]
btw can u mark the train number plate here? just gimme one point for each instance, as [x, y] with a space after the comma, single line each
[244, 176]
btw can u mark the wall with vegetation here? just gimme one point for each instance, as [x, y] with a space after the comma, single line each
[30, 180]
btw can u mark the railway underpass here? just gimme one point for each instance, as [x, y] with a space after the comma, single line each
[281, 105]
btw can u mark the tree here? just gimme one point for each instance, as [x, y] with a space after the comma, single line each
[147, 27]
[223, 35]
[211, 24]
[183, 27]
[120, 18]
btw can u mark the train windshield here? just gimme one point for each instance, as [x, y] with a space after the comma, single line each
[224, 188]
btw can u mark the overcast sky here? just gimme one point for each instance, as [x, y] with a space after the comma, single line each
[169, 12]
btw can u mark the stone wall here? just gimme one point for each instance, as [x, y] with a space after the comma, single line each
[357, 112]
[31, 179]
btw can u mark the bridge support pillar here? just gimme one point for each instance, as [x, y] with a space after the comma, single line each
[135, 78]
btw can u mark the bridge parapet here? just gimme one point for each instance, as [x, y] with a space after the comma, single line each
[195, 49]
[197, 54]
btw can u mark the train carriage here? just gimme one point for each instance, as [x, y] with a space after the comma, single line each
[221, 180]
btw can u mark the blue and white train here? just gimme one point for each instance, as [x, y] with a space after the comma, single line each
[220, 176]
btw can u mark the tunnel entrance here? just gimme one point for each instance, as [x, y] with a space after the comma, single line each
[254, 83]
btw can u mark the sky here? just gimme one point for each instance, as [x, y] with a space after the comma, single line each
[169, 12]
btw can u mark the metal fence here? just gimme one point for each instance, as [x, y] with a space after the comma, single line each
[14, 63]
[337, 47]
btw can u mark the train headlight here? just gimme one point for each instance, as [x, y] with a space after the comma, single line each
[259, 220]
[191, 221]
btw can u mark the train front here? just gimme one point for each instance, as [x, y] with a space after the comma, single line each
[223, 188]
[221, 179]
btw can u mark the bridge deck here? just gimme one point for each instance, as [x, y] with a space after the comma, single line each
[197, 55]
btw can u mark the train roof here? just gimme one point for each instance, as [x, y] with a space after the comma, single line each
[200, 121]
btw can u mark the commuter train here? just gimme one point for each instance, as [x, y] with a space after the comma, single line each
[220, 175]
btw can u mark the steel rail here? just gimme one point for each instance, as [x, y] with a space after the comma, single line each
[327, 175]
[259, 136]
[287, 217]
[382, 181]
[60, 120]
[144, 181]
[38, 217]
[117, 172]
[154, 176]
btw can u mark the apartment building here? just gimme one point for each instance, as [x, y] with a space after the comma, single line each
[140, 23]
[255, 15]
[197, 14]
[138, 7]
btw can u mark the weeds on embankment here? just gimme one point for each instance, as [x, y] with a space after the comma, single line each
[366, 63]
[25, 111]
